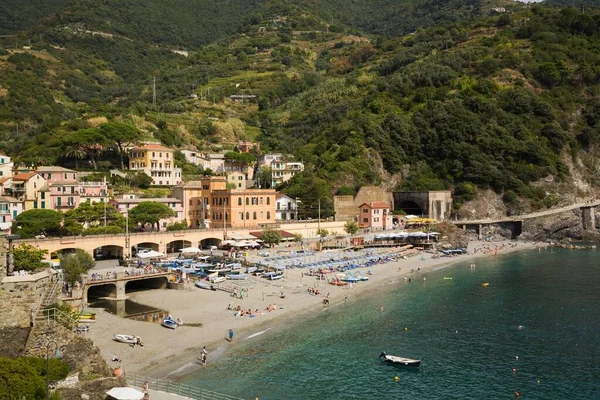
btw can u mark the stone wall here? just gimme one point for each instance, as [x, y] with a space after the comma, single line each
[19, 294]
[346, 207]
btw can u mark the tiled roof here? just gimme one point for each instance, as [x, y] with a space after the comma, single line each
[53, 168]
[4, 180]
[377, 204]
[284, 234]
[24, 176]
[8, 199]
[158, 200]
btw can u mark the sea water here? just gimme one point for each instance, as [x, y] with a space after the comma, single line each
[542, 307]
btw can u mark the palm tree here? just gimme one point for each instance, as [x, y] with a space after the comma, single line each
[76, 151]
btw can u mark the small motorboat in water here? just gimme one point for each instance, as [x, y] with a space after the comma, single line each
[169, 323]
[407, 362]
[129, 339]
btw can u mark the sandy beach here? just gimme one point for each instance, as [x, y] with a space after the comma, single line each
[206, 320]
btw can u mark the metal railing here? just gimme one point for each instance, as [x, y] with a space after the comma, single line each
[164, 385]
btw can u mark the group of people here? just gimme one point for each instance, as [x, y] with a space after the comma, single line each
[105, 276]
[314, 291]
[249, 313]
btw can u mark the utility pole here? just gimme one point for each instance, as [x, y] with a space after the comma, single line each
[104, 217]
[296, 208]
[319, 221]
[154, 91]
[127, 247]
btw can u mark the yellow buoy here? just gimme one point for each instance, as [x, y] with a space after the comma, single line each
[405, 329]
[396, 378]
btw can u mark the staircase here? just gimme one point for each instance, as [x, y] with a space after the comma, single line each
[46, 299]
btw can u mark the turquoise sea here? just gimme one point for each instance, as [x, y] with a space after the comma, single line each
[542, 307]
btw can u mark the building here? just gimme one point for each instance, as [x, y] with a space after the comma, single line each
[239, 208]
[376, 216]
[31, 189]
[266, 160]
[156, 161]
[248, 147]
[346, 206]
[283, 171]
[9, 209]
[236, 180]
[5, 186]
[286, 208]
[196, 158]
[196, 198]
[57, 174]
[6, 166]
[125, 203]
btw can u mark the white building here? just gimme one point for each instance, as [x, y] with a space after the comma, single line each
[6, 166]
[283, 171]
[285, 208]
[238, 179]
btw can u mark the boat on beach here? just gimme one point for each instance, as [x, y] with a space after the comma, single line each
[169, 323]
[204, 285]
[129, 339]
[217, 279]
[237, 276]
[407, 362]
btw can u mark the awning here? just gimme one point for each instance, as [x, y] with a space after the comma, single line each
[284, 235]
[125, 393]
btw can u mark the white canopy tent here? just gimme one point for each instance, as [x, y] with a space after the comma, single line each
[125, 393]
[190, 250]
[151, 254]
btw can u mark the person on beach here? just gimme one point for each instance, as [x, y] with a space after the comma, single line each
[380, 308]
[145, 387]
[231, 336]
[115, 358]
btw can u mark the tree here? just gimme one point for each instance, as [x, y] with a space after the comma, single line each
[75, 264]
[91, 215]
[76, 151]
[29, 258]
[351, 227]
[30, 223]
[121, 135]
[265, 178]
[89, 139]
[178, 226]
[150, 212]
[298, 237]
[322, 232]
[25, 376]
[270, 236]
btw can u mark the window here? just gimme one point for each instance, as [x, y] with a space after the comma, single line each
[254, 215]
[35, 204]
[43, 204]
[247, 201]
[226, 216]
[241, 216]
[247, 215]
[261, 201]
[153, 154]
[65, 176]
[191, 202]
[59, 201]
[365, 210]
[268, 213]
[278, 206]
[43, 195]
[366, 220]
[70, 200]
[268, 203]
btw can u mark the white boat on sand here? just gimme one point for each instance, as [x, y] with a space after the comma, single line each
[129, 339]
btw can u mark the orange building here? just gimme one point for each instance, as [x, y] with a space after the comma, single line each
[240, 208]
[196, 197]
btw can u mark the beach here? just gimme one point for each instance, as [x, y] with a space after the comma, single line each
[206, 319]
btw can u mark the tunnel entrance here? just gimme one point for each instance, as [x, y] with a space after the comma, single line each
[411, 208]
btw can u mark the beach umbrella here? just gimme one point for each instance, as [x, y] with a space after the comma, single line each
[125, 393]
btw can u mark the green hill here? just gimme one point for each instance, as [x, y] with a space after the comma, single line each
[475, 101]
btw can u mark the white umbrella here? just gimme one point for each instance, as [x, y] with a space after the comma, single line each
[190, 250]
[150, 254]
[125, 393]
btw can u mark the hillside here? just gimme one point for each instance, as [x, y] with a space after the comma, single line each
[502, 102]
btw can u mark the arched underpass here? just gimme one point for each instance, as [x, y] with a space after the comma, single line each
[64, 252]
[100, 291]
[206, 243]
[159, 282]
[110, 252]
[176, 245]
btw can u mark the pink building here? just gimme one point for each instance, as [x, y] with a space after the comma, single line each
[376, 216]
[67, 192]
[129, 201]
[9, 209]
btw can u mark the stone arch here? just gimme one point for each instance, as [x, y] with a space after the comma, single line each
[206, 243]
[100, 291]
[144, 246]
[176, 245]
[108, 252]
[410, 207]
[65, 251]
[158, 282]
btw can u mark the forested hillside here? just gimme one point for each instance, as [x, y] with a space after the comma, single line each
[506, 101]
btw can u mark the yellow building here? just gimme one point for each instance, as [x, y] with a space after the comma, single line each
[156, 161]
[31, 189]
